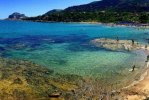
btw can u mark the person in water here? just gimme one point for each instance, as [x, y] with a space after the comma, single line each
[133, 68]
[147, 58]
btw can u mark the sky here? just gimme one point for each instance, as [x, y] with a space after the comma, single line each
[35, 7]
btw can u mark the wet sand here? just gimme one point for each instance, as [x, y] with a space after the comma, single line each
[139, 91]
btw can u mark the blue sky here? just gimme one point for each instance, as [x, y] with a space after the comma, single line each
[35, 7]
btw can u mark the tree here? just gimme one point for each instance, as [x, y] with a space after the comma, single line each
[143, 18]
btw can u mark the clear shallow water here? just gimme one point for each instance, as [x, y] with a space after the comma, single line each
[65, 47]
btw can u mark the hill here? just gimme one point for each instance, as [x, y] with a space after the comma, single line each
[101, 11]
[16, 16]
[53, 11]
[114, 5]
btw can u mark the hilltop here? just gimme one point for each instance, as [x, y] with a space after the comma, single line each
[16, 16]
[113, 5]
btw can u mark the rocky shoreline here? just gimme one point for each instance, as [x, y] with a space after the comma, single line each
[24, 80]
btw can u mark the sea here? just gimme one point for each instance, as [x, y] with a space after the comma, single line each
[66, 49]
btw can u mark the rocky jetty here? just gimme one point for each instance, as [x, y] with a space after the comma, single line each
[116, 44]
[16, 16]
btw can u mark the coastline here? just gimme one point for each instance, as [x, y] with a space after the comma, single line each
[86, 83]
[143, 75]
[139, 89]
[137, 25]
[130, 24]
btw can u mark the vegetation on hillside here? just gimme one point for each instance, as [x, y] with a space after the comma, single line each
[101, 11]
[105, 17]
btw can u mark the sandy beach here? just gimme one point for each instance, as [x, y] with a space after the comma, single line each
[138, 90]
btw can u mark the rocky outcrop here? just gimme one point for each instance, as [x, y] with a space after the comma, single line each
[117, 44]
[16, 16]
[24, 80]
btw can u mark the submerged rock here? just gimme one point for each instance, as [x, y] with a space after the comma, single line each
[17, 81]
[18, 46]
[55, 95]
[24, 80]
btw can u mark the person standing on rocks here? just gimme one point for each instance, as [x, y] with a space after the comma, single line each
[133, 42]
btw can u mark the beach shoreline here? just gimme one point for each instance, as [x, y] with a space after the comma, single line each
[135, 25]
[138, 89]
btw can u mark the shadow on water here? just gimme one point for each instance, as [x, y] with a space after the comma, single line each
[75, 43]
[31, 43]
[2, 49]
[36, 41]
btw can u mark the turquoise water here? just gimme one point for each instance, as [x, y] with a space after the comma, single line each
[65, 47]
